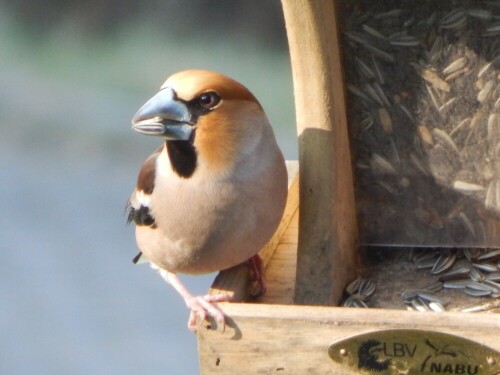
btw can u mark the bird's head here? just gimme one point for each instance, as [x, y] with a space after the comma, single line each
[218, 116]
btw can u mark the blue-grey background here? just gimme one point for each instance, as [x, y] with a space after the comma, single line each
[72, 74]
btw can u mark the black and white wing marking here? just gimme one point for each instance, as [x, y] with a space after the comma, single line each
[138, 206]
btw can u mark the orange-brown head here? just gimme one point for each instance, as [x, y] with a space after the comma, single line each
[213, 114]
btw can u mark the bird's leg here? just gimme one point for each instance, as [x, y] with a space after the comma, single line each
[200, 306]
[258, 287]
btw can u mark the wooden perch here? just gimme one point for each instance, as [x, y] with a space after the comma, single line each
[327, 253]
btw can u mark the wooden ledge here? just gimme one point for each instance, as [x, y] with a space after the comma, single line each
[292, 339]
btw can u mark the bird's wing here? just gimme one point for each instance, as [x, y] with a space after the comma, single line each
[138, 205]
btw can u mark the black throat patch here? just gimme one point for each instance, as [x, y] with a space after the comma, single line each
[183, 158]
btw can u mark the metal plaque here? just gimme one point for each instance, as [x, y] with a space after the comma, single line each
[412, 351]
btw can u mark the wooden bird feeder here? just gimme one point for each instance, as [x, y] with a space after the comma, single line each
[297, 327]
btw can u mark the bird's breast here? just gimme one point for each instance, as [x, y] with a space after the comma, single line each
[206, 223]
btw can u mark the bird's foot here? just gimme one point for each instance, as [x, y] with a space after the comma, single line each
[203, 307]
[258, 285]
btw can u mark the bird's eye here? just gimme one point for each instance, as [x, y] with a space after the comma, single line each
[208, 100]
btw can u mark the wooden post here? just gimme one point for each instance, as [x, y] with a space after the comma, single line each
[327, 253]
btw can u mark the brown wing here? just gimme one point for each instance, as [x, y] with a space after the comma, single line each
[138, 204]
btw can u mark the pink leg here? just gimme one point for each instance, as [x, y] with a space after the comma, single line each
[257, 276]
[200, 306]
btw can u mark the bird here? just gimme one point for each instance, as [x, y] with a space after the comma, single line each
[212, 195]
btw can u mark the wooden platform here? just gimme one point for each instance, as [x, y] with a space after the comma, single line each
[271, 335]
[280, 271]
[286, 339]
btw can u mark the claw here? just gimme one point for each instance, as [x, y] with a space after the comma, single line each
[200, 306]
[203, 307]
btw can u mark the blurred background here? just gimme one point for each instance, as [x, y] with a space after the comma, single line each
[72, 75]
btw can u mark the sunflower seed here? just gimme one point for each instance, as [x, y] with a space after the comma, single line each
[436, 49]
[425, 135]
[492, 30]
[417, 163]
[444, 262]
[434, 288]
[484, 69]
[371, 31]
[432, 77]
[359, 38]
[394, 13]
[456, 284]
[385, 120]
[405, 41]
[444, 139]
[490, 255]
[373, 94]
[387, 57]
[476, 275]
[381, 94]
[462, 126]
[353, 287]
[367, 121]
[486, 267]
[406, 112]
[455, 65]
[430, 297]
[467, 223]
[364, 69]
[492, 199]
[354, 301]
[454, 20]
[483, 14]
[485, 91]
[419, 304]
[446, 106]
[378, 72]
[366, 287]
[478, 293]
[426, 261]
[494, 276]
[482, 307]
[381, 165]
[410, 294]
[436, 307]
[458, 274]
[466, 187]
[456, 74]
[493, 285]
[472, 253]
[474, 285]
[493, 124]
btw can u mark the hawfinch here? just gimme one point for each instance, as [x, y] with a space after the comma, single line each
[213, 194]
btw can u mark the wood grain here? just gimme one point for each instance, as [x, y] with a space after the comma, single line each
[268, 339]
[327, 254]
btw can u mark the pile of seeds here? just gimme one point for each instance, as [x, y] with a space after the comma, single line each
[474, 273]
[358, 293]
[423, 98]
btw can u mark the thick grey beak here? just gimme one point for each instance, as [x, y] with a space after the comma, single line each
[164, 116]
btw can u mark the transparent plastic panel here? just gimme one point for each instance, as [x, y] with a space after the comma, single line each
[423, 98]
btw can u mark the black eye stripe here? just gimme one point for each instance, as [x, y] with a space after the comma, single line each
[196, 108]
